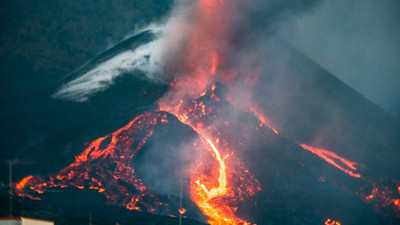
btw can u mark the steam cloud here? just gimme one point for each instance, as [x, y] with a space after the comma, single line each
[253, 23]
[103, 75]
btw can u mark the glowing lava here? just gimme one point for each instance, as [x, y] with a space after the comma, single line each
[106, 166]
[332, 222]
[384, 196]
[214, 193]
[333, 159]
[182, 211]
[203, 60]
[20, 185]
[264, 119]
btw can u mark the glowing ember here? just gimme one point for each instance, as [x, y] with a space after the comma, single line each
[384, 197]
[332, 222]
[372, 195]
[182, 211]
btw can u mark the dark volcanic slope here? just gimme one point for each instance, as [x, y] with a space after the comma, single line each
[34, 124]
[52, 132]
[130, 43]
[310, 105]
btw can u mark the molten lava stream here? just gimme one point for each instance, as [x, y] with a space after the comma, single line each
[210, 199]
[203, 196]
[263, 119]
[331, 157]
[211, 193]
[202, 62]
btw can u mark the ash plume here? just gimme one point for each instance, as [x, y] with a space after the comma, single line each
[160, 60]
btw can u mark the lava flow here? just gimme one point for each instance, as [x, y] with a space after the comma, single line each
[214, 192]
[203, 61]
[332, 159]
[105, 166]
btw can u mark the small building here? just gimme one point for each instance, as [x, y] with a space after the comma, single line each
[23, 221]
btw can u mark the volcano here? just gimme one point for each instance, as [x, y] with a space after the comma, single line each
[291, 182]
[277, 142]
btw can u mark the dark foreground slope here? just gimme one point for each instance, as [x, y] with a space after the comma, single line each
[80, 207]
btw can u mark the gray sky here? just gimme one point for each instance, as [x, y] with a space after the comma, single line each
[356, 40]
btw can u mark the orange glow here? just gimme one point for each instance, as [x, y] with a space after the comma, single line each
[372, 195]
[333, 159]
[384, 197]
[202, 53]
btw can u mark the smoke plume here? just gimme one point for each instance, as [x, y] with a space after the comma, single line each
[246, 25]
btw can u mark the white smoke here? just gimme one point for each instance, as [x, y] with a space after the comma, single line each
[144, 59]
[148, 58]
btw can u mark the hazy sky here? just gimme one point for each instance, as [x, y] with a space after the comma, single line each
[358, 41]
